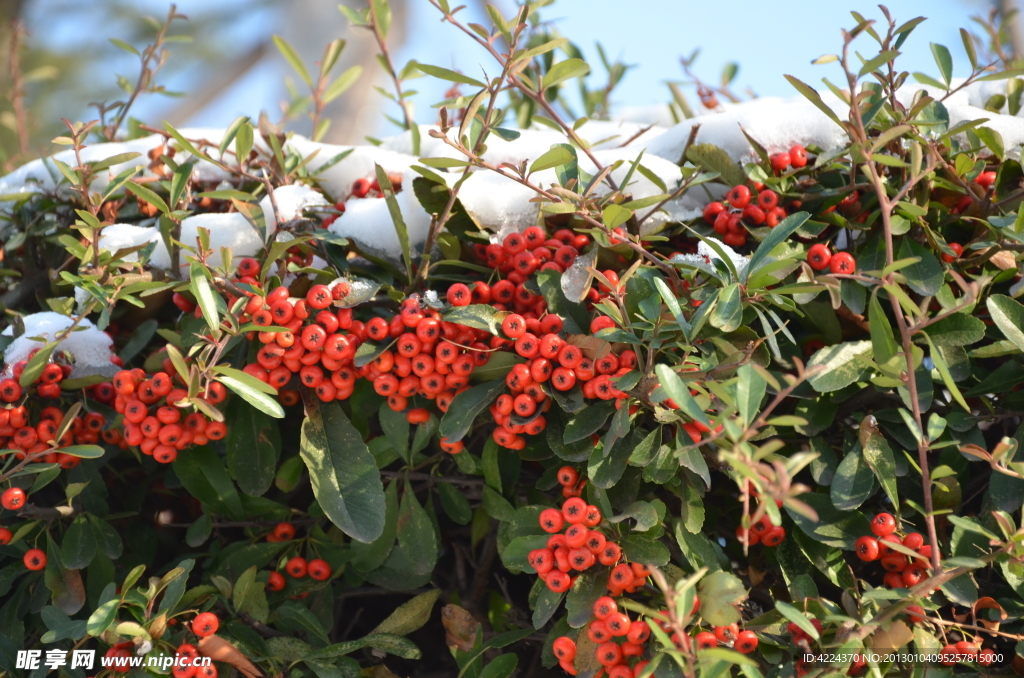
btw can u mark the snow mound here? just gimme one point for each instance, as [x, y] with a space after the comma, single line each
[369, 223]
[89, 346]
[291, 200]
[773, 122]
[358, 164]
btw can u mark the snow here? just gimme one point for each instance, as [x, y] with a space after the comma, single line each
[498, 203]
[774, 122]
[291, 200]
[89, 346]
[359, 164]
[369, 223]
[705, 255]
[124, 236]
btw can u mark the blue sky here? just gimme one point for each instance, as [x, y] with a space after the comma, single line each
[767, 40]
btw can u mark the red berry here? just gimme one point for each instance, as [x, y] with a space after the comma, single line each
[552, 520]
[798, 156]
[738, 196]
[319, 570]
[746, 642]
[459, 295]
[13, 498]
[706, 640]
[883, 524]
[842, 262]
[779, 162]
[205, 624]
[34, 559]
[986, 180]
[564, 649]
[867, 548]
[712, 210]
[957, 248]
[296, 567]
[275, 582]
[818, 256]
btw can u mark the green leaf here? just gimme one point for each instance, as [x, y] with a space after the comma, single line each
[342, 83]
[293, 617]
[696, 548]
[639, 548]
[957, 329]
[253, 443]
[750, 390]
[947, 378]
[842, 364]
[200, 287]
[555, 156]
[614, 216]
[411, 562]
[992, 139]
[587, 421]
[370, 556]
[775, 237]
[501, 666]
[546, 605]
[410, 615]
[35, 365]
[1008, 315]
[465, 407]
[564, 70]
[797, 617]
[449, 75]
[148, 195]
[944, 60]
[541, 49]
[720, 592]
[201, 472]
[342, 471]
[880, 459]
[714, 159]
[261, 401]
[678, 391]
[853, 482]
[79, 545]
[883, 341]
[105, 613]
[812, 95]
[477, 316]
[455, 504]
[293, 58]
[579, 602]
[244, 142]
[396, 217]
[924, 277]
[728, 312]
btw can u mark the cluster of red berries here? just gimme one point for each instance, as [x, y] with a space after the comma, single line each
[39, 440]
[966, 652]
[152, 420]
[187, 653]
[519, 255]
[580, 547]
[803, 641]
[297, 567]
[620, 639]
[764, 531]
[901, 570]
[13, 499]
[428, 356]
[743, 207]
[820, 257]
[731, 636]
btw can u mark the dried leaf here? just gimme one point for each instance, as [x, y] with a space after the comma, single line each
[460, 627]
[987, 603]
[221, 650]
[889, 640]
[1004, 260]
